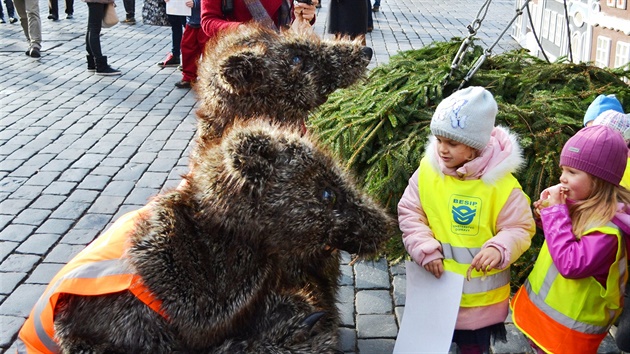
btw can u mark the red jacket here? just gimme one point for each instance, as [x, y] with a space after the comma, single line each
[213, 20]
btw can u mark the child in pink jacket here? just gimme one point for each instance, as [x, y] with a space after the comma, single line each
[464, 212]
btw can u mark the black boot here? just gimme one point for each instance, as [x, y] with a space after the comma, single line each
[103, 69]
[91, 63]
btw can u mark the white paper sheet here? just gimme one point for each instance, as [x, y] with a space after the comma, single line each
[431, 307]
[178, 7]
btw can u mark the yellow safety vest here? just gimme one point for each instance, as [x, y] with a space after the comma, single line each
[570, 315]
[625, 180]
[463, 215]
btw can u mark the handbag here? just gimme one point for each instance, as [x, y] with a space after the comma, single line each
[154, 13]
[110, 18]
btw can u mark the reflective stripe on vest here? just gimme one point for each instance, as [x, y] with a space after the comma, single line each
[99, 269]
[462, 215]
[544, 309]
[463, 258]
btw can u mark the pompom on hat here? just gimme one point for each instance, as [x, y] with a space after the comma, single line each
[597, 150]
[601, 104]
[467, 116]
[618, 121]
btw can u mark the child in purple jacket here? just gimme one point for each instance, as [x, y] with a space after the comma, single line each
[574, 292]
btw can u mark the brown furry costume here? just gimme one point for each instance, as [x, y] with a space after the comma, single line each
[244, 257]
[255, 72]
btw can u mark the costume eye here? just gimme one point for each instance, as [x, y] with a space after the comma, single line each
[297, 60]
[329, 197]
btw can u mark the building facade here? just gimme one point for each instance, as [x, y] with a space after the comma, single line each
[596, 31]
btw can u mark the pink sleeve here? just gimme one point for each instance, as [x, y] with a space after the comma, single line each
[591, 255]
[417, 236]
[515, 228]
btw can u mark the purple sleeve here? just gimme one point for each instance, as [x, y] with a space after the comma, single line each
[591, 255]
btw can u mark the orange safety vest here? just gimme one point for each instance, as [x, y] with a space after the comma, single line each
[97, 270]
[566, 316]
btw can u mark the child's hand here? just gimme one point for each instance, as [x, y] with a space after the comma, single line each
[553, 196]
[486, 260]
[550, 196]
[190, 3]
[435, 267]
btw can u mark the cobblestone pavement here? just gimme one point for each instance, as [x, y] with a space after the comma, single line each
[79, 150]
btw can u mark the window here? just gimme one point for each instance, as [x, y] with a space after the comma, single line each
[552, 27]
[602, 52]
[622, 54]
[610, 3]
[560, 25]
[621, 4]
[545, 23]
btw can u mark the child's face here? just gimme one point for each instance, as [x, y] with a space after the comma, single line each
[454, 154]
[578, 184]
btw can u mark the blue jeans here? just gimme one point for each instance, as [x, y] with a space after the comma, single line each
[10, 9]
[377, 3]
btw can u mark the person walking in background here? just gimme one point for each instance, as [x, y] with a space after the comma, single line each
[130, 12]
[464, 212]
[53, 9]
[10, 12]
[280, 13]
[574, 292]
[178, 24]
[348, 18]
[28, 10]
[96, 61]
[193, 43]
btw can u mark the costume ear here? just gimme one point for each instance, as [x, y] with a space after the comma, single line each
[243, 71]
[253, 155]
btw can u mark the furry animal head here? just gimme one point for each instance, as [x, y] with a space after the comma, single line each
[254, 72]
[289, 189]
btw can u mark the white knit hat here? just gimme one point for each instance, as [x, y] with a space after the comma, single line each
[467, 116]
[618, 121]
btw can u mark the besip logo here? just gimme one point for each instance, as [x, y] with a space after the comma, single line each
[463, 214]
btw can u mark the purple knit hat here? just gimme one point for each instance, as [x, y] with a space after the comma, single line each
[598, 150]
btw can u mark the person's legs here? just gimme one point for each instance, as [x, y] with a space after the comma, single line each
[53, 10]
[28, 10]
[34, 23]
[188, 49]
[193, 43]
[69, 8]
[130, 11]
[20, 8]
[10, 10]
[96, 11]
[472, 341]
[177, 30]
[376, 6]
